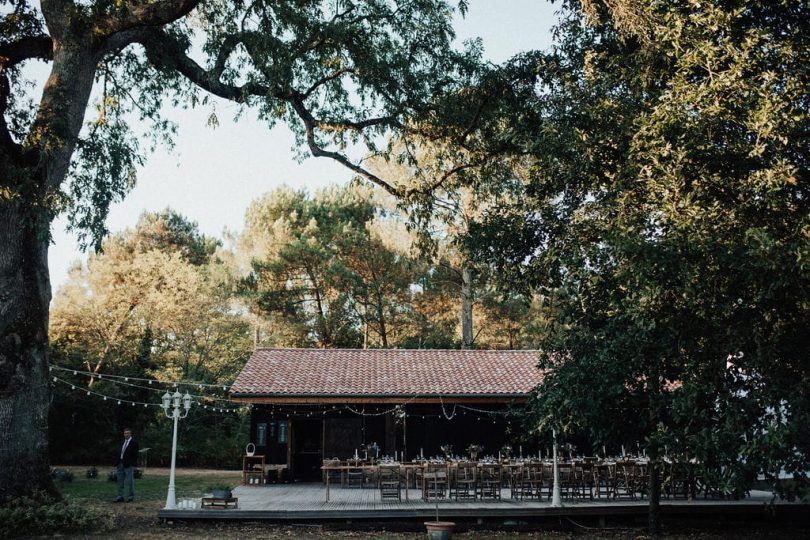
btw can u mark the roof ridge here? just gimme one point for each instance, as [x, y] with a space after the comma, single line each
[398, 350]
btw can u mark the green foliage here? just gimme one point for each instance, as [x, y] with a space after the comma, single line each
[665, 218]
[321, 269]
[156, 303]
[170, 232]
[43, 514]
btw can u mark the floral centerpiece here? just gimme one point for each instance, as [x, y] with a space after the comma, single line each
[474, 450]
[447, 450]
[506, 451]
[372, 450]
[221, 491]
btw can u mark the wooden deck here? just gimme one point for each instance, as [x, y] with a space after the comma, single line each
[308, 502]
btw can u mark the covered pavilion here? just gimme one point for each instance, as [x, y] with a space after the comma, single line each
[316, 404]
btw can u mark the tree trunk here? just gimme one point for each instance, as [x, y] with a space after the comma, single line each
[466, 308]
[654, 490]
[654, 467]
[25, 290]
[25, 294]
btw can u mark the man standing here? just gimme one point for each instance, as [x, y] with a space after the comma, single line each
[126, 463]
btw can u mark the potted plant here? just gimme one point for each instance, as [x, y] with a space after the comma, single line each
[221, 491]
[440, 530]
[474, 450]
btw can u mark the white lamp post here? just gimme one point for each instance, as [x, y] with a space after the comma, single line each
[173, 402]
[556, 499]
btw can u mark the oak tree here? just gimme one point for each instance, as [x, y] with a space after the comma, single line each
[338, 72]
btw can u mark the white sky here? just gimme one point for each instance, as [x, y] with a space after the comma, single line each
[213, 174]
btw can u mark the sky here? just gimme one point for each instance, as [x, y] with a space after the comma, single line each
[213, 174]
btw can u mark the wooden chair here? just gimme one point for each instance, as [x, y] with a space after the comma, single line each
[489, 483]
[624, 481]
[528, 482]
[604, 480]
[573, 482]
[434, 482]
[334, 475]
[639, 480]
[354, 475]
[390, 482]
[462, 481]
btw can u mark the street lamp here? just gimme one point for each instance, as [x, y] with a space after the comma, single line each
[173, 402]
[556, 499]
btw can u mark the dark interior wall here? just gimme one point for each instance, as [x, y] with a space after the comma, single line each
[318, 432]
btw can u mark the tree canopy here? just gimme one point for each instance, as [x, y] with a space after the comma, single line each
[338, 72]
[666, 220]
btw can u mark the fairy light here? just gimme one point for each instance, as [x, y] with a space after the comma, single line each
[121, 401]
[125, 382]
[141, 379]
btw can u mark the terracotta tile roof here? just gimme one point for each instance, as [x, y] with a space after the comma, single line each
[387, 372]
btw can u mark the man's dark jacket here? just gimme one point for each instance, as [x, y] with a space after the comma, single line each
[130, 458]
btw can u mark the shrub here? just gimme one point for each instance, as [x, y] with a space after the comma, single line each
[62, 475]
[92, 472]
[112, 477]
[43, 514]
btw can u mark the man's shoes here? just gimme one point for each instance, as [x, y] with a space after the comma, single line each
[130, 499]
[119, 499]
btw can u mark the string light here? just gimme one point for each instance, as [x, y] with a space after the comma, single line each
[444, 412]
[142, 379]
[121, 401]
[158, 390]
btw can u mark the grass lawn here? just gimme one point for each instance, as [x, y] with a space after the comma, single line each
[189, 483]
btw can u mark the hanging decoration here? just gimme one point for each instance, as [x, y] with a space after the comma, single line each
[123, 401]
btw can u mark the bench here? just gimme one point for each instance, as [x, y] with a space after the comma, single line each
[218, 502]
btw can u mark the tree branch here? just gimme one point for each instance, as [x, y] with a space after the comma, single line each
[164, 52]
[11, 54]
[25, 48]
[139, 14]
[310, 123]
[331, 77]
